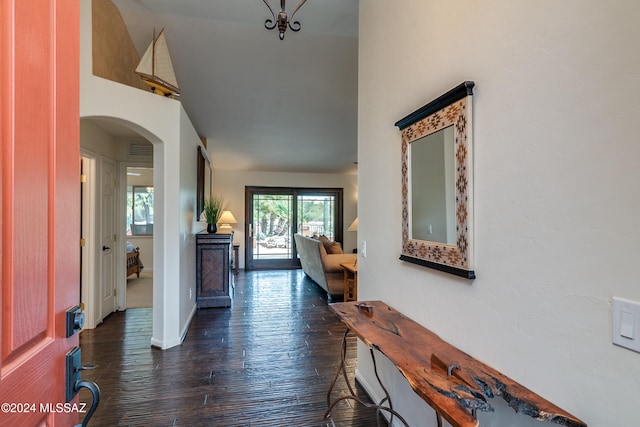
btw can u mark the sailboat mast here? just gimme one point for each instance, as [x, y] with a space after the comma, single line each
[155, 67]
[153, 54]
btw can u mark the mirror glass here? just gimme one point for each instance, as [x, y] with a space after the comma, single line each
[437, 183]
[432, 187]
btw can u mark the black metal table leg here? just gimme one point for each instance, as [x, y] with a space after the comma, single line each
[352, 394]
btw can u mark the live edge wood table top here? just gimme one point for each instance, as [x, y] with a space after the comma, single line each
[453, 383]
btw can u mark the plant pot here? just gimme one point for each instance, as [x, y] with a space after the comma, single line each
[212, 228]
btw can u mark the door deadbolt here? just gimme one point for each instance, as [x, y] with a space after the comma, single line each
[75, 320]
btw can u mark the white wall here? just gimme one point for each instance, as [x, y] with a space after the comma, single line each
[231, 185]
[97, 141]
[557, 166]
[187, 220]
[163, 122]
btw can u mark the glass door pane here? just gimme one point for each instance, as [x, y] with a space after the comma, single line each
[316, 215]
[272, 230]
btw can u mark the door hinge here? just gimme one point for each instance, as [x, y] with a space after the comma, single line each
[83, 243]
[115, 237]
[115, 292]
[83, 178]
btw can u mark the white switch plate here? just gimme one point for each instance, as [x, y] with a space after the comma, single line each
[626, 324]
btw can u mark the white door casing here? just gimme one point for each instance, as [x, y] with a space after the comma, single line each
[89, 265]
[108, 231]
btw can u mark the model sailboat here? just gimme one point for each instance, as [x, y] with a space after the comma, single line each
[156, 68]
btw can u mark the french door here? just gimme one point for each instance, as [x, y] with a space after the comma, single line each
[274, 214]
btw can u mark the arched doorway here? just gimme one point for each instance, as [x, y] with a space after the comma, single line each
[106, 155]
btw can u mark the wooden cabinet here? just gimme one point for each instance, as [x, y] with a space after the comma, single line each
[214, 281]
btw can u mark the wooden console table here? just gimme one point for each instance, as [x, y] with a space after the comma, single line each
[453, 383]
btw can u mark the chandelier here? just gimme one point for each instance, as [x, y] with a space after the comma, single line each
[282, 20]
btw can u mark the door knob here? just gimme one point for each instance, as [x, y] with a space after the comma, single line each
[105, 248]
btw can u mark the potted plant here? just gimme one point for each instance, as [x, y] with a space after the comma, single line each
[213, 208]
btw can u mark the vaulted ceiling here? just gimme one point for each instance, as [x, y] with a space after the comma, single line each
[263, 103]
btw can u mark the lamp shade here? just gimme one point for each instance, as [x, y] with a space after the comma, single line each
[354, 225]
[227, 218]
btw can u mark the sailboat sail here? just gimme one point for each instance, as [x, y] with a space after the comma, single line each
[156, 68]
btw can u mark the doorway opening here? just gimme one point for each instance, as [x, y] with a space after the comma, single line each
[139, 214]
[108, 150]
[274, 214]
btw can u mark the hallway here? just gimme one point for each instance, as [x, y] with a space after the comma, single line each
[267, 361]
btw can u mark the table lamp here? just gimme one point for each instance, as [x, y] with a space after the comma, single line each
[225, 221]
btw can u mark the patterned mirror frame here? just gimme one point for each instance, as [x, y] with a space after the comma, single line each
[452, 108]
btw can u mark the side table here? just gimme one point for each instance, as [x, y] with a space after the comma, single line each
[236, 259]
[350, 281]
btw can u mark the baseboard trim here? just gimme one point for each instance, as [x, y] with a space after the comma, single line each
[375, 397]
[185, 329]
[165, 345]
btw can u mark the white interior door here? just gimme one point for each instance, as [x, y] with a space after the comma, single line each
[108, 239]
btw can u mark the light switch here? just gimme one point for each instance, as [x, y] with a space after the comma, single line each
[626, 324]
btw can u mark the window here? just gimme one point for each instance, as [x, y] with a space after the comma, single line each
[139, 210]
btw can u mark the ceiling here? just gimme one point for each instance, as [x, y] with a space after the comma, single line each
[262, 103]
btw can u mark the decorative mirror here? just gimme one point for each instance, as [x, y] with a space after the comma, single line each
[437, 183]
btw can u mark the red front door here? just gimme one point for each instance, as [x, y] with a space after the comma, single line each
[39, 211]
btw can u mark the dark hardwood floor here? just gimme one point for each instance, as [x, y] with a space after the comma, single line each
[267, 361]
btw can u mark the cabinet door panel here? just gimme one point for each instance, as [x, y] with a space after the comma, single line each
[214, 267]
